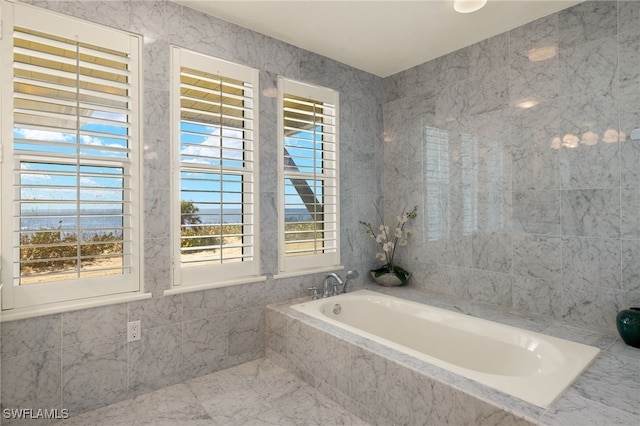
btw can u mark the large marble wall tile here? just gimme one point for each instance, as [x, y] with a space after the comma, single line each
[92, 324]
[537, 256]
[157, 19]
[246, 335]
[31, 381]
[541, 33]
[630, 149]
[533, 83]
[246, 296]
[535, 143]
[489, 56]
[115, 14]
[536, 212]
[469, 410]
[494, 211]
[205, 34]
[421, 400]
[594, 307]
[94, 374]
[588, 21]
[589, 66]
[492, 251]
[452, 101]
[203, 304]
[629, 54]
[372, 384]
[453, 67]
[441, 279]
[589, 156]
[205, 345]
[591, 261]
[156, 312]
[489, 287]
[420, 79]
[630, 208]
[628, 15]
[537, 295]
[591, 213]
[630, 265]
[157, 264]
[155, 360]
[489, 93]
[31, 335]
[157, 214]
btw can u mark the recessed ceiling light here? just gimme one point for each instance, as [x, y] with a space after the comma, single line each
[468, 6]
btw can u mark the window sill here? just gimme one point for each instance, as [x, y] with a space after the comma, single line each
[72, 305]
[186, 288]
[310, 271]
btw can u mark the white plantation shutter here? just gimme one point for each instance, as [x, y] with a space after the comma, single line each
[73, 163]
[215, 122]
[309, 220]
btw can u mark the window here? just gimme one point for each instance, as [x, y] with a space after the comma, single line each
[308, 165]
[70, 172]
[215, 124]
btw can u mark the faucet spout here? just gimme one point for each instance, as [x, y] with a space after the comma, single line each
[325, 284]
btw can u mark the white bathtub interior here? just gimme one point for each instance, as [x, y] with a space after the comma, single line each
[531, 366]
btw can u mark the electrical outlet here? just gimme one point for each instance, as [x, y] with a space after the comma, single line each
[133, 331]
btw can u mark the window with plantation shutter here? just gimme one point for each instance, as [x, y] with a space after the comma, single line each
[70, 173]
[215, 124]
[308, 148]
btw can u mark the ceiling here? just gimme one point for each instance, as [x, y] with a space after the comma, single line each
[382, 37]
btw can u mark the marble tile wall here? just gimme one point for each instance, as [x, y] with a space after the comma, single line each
[81, 360]
[526, 172]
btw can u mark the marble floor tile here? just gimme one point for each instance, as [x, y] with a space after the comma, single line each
[254, 393]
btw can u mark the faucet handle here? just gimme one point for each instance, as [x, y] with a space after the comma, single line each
[314, 292]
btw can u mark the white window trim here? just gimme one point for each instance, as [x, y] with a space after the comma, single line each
[307, 264]
[34, 300]
[193, 278]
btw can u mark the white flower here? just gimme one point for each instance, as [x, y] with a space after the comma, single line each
[380, 238]
[381, 256]
[409, 232]
[398, 232]
[403, 218]
[402, 242]
[388, 246]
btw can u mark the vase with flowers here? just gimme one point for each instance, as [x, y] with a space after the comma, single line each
[389, 240]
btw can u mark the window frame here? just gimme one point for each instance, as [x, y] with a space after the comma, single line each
[327, 261]
[22, 300]
[195, 277]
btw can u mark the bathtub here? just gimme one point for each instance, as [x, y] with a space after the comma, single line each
[531, 366]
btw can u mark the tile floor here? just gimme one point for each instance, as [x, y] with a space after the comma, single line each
[255, 393]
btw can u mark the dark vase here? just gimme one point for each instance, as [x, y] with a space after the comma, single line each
[628, 322]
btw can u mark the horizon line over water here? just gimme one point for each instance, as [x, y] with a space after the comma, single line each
[111, 219]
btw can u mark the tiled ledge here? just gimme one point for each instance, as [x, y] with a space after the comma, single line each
[385, 386]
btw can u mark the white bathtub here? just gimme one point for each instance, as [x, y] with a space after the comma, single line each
[531, 366]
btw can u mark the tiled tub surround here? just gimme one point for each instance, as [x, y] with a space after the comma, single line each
[526, 173]
[384, 386]
[531, 366]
